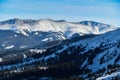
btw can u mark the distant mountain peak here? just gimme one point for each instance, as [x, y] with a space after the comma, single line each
[46, 25]
[17, 21]
[93, 23]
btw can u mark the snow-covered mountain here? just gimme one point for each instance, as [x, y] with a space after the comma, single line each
[46, 25]
[20, 34]
[100, 26]
[98, 55]
[91, 58]
[87, 49]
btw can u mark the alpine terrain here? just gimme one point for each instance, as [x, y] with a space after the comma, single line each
[49, 49]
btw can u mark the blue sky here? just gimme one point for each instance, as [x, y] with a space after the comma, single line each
[106, 11]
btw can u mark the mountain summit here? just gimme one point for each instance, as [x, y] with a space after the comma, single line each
[46, 25]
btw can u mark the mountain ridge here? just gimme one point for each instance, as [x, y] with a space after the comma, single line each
[68, 28]
[45, 30]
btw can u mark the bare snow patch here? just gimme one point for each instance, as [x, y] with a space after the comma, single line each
[109, 77]
[15, 35]
[24, 56]
[9, 47]
[37, 50]
[36, 33]
[0, 59]
[23, 46]
[46, 39]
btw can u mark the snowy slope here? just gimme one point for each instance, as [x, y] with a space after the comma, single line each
[31, 43]
[10, 40]
[110, 76]
[44, 30]
[108, 44]
[97, 57]
[68, 28]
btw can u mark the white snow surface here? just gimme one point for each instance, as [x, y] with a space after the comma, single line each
[0, 59]
[37, 50]
[23, 46]
[109, 77]
[68, 28]
[9, 47]
[24, 55]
